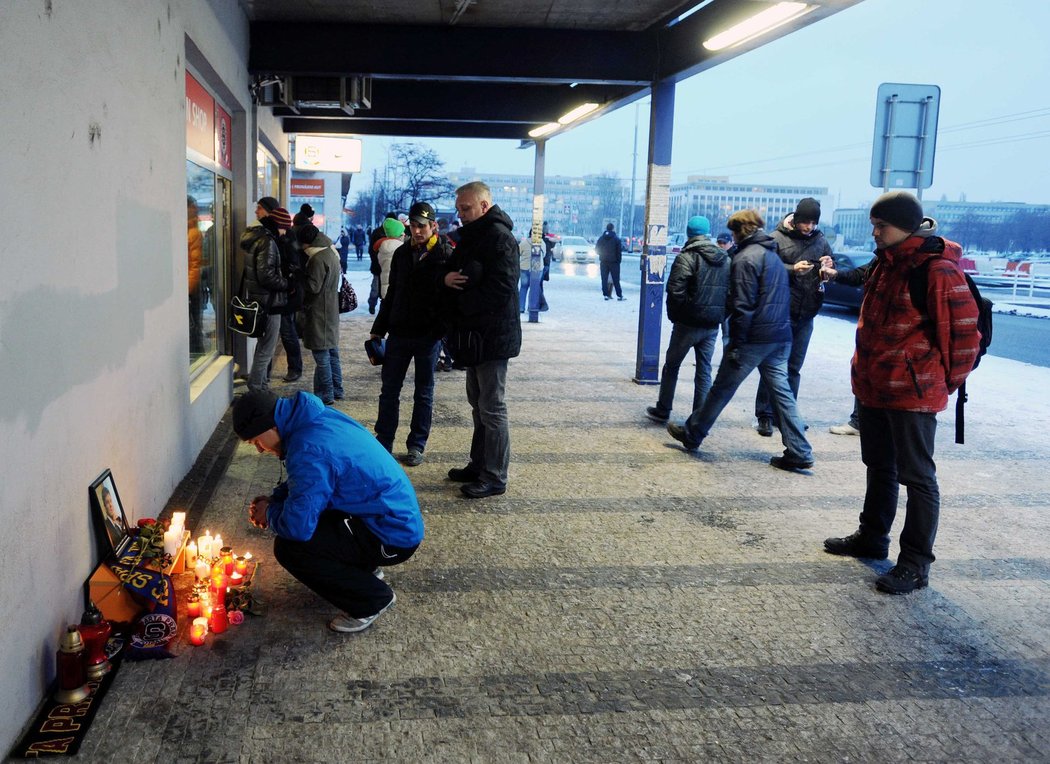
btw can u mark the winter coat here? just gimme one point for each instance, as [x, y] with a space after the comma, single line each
[263, 280]
[195, 241]
[323, 278]
[759, 295]
[609, 247]
[292, 269]
[411, 306]
[906, 360]
[794, 247]
[524, 253]
[487, 254]
[335, 463]
[698, 284]
[385, 249]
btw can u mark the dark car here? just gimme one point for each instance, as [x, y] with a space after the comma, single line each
[843, 295]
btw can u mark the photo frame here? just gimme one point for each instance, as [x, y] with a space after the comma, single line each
[110, 512]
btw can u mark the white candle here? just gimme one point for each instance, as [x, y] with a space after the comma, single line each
[202, 570]
[178, 519]
[191, 554]
[201, 621]
[216, 545]
[204, 545]
[172, 541]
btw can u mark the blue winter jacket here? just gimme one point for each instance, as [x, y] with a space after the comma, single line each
[759, 295]
[335, 463]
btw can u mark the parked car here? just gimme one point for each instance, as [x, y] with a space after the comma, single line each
[843, 295]
[576, 249]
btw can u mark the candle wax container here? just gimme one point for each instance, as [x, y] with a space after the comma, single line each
[193, 608]
[198, 631]
[219, 620]
[240, 565]
[226, 557]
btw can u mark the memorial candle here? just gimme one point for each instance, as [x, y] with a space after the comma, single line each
[193, 607]
[219, 621]
[216, 545]
[198, 630]
[204, 545]
[201, 569]
[241, 565]
[191, 554]
[178, 520]
[226, 553]
[172, 541]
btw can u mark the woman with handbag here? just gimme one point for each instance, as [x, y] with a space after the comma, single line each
[264, 283]
[321, 285]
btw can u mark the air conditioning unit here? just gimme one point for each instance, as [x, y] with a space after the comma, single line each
[273, 91]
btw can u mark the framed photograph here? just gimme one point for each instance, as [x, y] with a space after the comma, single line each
[110, 511]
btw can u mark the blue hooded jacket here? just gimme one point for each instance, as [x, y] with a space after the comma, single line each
[335, 463]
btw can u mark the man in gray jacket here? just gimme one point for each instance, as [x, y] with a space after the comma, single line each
[321, 303]
[696, 305]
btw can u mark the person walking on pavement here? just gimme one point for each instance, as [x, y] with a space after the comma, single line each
[759, 336]
[264, 282]
[801, 246]
[696, 305]
[321, 305]
[346, 511]
[482, 279]
[343, 248]
[410, 315]
[610, 252]
[359, 239]
[909, 358]
[373, 256]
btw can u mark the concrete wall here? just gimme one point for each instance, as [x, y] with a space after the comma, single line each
[93, 321]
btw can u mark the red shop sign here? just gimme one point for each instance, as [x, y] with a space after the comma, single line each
[200, 112]
[307, 187]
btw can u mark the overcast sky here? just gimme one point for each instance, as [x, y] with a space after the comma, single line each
[801, 109]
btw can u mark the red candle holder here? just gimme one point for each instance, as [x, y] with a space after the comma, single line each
[241, 565]
[219, 621]
[198, 631]
[193, 607]
[226, 558]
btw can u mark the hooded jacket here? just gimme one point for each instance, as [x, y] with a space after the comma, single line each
[698, 284]
[759, 296]
[609, 248]
[335, 463]
[906, 360]
[487, 254]
[263, 281]
[793, 247]
[385, 249]
[410, 308]
[321, 283]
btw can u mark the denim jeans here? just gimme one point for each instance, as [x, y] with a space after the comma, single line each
[610, 271]
[523, 291]
[801, 332]
[897, 449]
[400, 352]
[771, 361]
[337, 563]
[490, 444]
[328, 375]
[259, 377]
[373, 294]
[684, 338]
[292, 349]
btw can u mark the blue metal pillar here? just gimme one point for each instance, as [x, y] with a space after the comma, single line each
[538, 246]
[654, 247]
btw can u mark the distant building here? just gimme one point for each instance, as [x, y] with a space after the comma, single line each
[854, 227]
[717, 199]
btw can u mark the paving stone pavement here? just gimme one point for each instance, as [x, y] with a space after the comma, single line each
[628, 601]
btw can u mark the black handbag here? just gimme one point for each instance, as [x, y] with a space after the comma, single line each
[245, 317]
[347, 297]
[466, 347]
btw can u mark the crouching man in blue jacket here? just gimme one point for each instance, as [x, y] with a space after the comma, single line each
[346, 511]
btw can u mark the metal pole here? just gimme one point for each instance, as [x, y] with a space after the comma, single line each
[634, 174]
[535, 296]
[888, 139]
[922, 145]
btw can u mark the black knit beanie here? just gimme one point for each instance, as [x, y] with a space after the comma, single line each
[306, 211]
[898, 208]
[807, 211]
[269, 204]
[253, 414]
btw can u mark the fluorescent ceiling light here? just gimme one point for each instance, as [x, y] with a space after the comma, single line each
[546, 129]
[576, 113]
[771, 18]
[690, 12]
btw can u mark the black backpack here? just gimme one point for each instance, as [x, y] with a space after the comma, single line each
[918, 282]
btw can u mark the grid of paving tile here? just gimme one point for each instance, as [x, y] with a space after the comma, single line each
[627, 601]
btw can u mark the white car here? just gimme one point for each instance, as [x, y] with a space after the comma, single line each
[576, 249]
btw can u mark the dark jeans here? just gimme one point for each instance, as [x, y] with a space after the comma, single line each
[292, 349]
[400, 352]
[490, 443]
[373, 294]
[360, 248]
[854, 417]
[683, 339]
[897, 449]
[328, 375]
[337, 563]
[801, 333]
[610, 271]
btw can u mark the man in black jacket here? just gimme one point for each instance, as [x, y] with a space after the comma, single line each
[759, 337]
[264, 283]
[696, 305]
[800, 246]
[409, 313]
[610, 251]
[482, 282]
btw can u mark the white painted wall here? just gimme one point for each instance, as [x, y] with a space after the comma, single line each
[93, 329]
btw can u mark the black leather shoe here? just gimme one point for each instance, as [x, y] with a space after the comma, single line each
[765, 426]
[677, 432]
[857, 545]
[901, 580]
[479, 489]
[790, 463]
[463, 475]
[292, 376]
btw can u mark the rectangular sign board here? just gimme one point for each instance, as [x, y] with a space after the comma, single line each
[325, 153]
[905, 135]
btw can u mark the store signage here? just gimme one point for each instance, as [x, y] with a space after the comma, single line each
[322, 153]
[307, 187]
[200, 113]
[223, 125]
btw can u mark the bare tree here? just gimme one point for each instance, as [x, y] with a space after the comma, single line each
[416, 174]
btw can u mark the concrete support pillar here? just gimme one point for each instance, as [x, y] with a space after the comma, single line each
[654, 248]
[538, 246]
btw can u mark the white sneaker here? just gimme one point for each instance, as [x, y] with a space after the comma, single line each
[346, 624]
[378, 573]
[843, 429]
